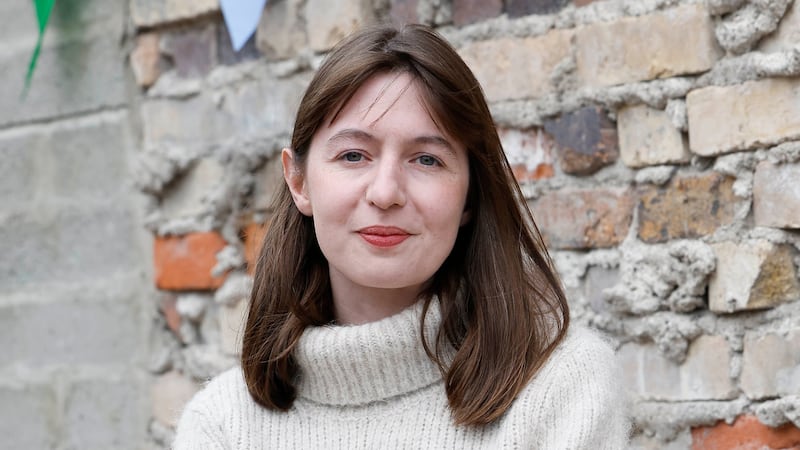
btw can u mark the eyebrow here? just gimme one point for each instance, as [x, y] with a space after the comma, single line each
[353, 133]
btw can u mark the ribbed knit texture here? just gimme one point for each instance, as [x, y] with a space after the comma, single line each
[372, 386]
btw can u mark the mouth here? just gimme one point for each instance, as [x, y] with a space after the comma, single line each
[383, 236]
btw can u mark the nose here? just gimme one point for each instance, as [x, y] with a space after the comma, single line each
[386, 187]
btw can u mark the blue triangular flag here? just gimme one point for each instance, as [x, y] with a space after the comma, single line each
[241, 17]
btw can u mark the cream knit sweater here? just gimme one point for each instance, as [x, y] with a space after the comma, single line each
[372, 386]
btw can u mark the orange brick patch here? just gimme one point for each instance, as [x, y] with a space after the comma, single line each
[253, 236]
[745, 433]
[184, 263]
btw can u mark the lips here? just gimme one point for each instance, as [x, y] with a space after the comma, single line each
[383, 236]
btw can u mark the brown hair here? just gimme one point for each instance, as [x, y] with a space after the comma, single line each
[503, 309]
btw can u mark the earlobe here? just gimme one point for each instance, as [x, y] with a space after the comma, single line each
[295, 180]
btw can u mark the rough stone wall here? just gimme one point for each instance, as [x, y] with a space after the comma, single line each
[658, 142]
[75, 289]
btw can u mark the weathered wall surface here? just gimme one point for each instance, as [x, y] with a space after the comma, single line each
[75, 289]
[658, 142]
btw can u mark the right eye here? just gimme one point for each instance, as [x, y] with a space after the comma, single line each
[352, 157]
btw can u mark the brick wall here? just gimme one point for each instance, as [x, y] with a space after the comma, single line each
[658, 143]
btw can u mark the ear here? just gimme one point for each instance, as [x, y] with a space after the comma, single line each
[295, 179]
[466, 216]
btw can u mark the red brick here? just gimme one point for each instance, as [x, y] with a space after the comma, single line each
[184, 263]
[169, 310]
[578, 219]
[471, 11]
[529, 153]
[585, 140]
[688, 207]
[746, 433]
[253, 236]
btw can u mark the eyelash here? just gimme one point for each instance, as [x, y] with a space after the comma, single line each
[435, 162]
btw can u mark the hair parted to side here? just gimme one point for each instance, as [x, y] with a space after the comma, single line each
[502, 305]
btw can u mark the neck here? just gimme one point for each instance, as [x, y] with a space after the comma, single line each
[354, 304]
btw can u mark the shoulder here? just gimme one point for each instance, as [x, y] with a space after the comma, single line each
[576, 400]
[223, 399]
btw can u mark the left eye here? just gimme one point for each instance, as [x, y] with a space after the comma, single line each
[427, 160]
[352, 156]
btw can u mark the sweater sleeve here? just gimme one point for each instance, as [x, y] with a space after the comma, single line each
[577, 399]
[197, 430]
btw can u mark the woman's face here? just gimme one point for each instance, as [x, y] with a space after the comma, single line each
[386, 189]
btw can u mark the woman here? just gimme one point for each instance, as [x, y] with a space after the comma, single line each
[403, 297]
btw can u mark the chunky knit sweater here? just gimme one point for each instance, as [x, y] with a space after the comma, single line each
[372, 386]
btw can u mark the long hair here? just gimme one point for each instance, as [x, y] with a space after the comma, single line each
[502, 306]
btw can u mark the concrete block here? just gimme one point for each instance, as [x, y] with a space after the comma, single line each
[71, 332]
[515, 68]
[530, 153]
[597, 280]
[328, 22]
[771, 365]
[18, 169]
[787, 35]
[579, 219]
[776, 195]
[752, 275]
[647, 137]
[231, 325]
[105, 414]
[28, 417]
[168, 396]
[148, 13]
[759, 113]
[688, 207]
[585, 140]
[188, 195]
[81, 66]
[642, 48]
[280, 32]
[703, 376]
[73, 244]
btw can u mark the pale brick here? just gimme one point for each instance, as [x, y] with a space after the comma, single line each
[190, 194]
[145, 59]
[328, 22]
[470, 11]
[771, 365]
[787, 36]
[597, 280]
[529, 152]
[740, 117]
[752, 275]
[268, 180]
[515, 68]
[644, 48]
[264, 106]
[71, 332]
[402, 12]
[688, 207]
[193, 51]
[231, 326]
[776, 195]
[647, 137]
[26, 417]
[280, 32]
[518, 8]
[578, 219]
[148, 13]
[703, 376]
[104, 414]
[168, 396]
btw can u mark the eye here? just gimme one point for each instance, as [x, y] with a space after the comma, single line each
[353, 157]
[428, 160]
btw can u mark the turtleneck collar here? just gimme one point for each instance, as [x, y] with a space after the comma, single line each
[353, 365]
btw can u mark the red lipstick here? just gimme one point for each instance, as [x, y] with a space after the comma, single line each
[382, 236]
